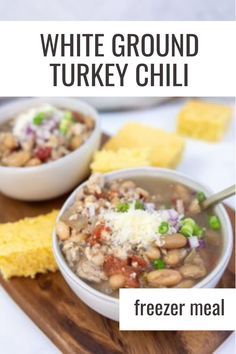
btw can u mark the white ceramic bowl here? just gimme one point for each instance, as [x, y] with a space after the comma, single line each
[109, 306]
[54, 178]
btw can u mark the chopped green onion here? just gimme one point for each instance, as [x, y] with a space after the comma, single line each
[122, 207]
[138, 205]
[190, 228]
[163, 228]
[187, 230]
[68, 116]
[158, 264]
[200, 197]
[214, 222]
[39, 118]
[66, 123]
[64, 127]
[188, 221]
[197, 231]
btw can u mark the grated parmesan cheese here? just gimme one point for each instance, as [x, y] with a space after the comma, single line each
[136, 227]
[26, 117]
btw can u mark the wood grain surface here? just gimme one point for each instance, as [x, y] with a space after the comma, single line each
[75, 328]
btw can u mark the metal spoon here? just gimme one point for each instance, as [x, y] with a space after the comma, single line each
[218, 197]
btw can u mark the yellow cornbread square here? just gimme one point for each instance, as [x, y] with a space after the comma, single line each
[166, 149]
[106, 160]
[204, 120]
[26, 246]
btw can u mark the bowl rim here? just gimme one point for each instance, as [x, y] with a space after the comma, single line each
[151, 171]
[56, 100]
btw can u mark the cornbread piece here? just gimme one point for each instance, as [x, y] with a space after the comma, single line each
[26, 246]
[166, 149]
[203, 120]
[107, 161]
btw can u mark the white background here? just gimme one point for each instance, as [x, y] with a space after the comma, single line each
[24, 71]
[208, 163]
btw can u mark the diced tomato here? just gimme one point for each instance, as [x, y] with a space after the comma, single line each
[100, 195]
[96, 236]
[141, 263]
[132, 279]
[43, 153]
[112, 194]
[114, 265]
[98, 231]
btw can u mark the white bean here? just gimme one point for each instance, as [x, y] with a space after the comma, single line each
[117, 281]
[16, 159]
[33, 162]
[9, 141]
[192, 271]
[164, 277]
[186, 283]
[174, 241]
[153, 253]
[75, 142]
[174, 256]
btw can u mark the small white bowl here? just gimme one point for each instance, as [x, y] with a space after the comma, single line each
[109, 306]
[55, 178]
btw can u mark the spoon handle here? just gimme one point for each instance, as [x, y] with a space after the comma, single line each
[218, 197]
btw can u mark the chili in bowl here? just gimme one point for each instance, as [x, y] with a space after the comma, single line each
[139, 228]
[46, 145]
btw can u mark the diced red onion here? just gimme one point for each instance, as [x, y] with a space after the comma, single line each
[50, 124]
[173, 218]
[202, 244]
[173, 221]
[193, 241]
[29, 130]
[173, 213]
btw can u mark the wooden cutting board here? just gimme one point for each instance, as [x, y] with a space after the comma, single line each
[75, 328]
